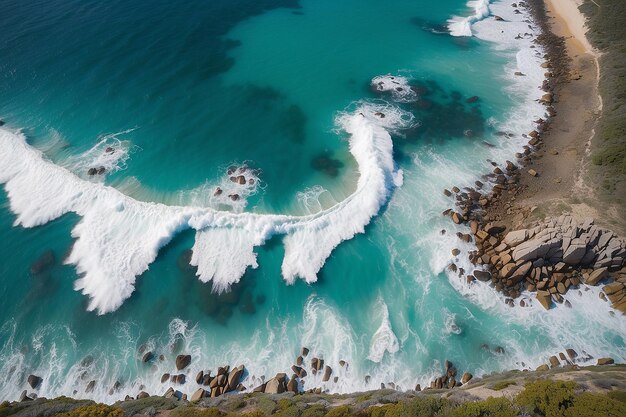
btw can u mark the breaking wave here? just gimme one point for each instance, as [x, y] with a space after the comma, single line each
[462, 26]
[118, 237]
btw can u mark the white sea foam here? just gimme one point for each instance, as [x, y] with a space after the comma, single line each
[462, 26]
[119, 237]
[110, 153]
[310, 199]
[397, 86]
[384, 340]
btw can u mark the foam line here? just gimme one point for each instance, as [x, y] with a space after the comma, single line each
[384, 339]
[462, 26]
[119, 237]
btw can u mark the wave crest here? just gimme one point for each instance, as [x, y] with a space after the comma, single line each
[118, 237]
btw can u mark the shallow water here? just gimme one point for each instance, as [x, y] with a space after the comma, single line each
[182, 92]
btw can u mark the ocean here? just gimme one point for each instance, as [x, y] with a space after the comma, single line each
[236, 179]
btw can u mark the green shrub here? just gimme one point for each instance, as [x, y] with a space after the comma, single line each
[417, 407]
[617, 395]
[314, 411]
[196, 412]
[266, 406]
[587, 404]
[290, 411]
[491, 407]
[498, 386]
[235, 403]
[558, 399]
[380, 411]
[341, 411]
[93, 410]
[548, 398]
[285, 403]
[255, 413]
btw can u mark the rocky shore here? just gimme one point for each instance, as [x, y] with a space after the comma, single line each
[548, 256]
[507, 391]
[188, 384]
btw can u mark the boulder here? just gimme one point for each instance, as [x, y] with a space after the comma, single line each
[521, 272]
[605, 361]
[147, 357]
[115, 388]
[473, 226]
[304, 351]
[206, 380]
[90, 386]
[596, 276]
[571, 353]
[24, 396]
[299, 360]
[327, 373]
[482, 275]
[165, 377]
[260, 388]
[199, 377]
[455, 252]
[457, 218]
[533, 249]
[182, 361]
[234, 377]
[275, 386]
[554, 362]
[507, 270]
[574, 253]
[546, 98]
[198, 395]
[292, 385]
[544, 298]
[466, 378]
[34, 381]
[533, 172]
[178, 379]
[142, 394]
[542, 368]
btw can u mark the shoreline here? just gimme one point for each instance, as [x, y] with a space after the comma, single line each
[604, 383]
[536, 192]
[561, 155]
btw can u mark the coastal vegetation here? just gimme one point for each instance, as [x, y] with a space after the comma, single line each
[538, 398]
[607, 33]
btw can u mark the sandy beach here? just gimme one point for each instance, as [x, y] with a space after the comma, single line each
[561, 185]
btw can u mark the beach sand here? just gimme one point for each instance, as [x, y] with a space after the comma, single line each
[562, 185]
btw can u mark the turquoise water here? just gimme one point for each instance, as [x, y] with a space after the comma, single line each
[184, 91]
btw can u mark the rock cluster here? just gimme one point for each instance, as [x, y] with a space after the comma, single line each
[448, 379]
[295, 384]
[570, 358]
[224, 381]
[550, 259]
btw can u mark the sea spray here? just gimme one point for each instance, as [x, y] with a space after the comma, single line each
[462, 26]
[119, 237]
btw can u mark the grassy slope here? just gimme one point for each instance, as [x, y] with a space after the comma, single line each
[607, 33]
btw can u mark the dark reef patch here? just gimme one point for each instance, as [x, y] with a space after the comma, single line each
[325, 163]
[431, 26]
